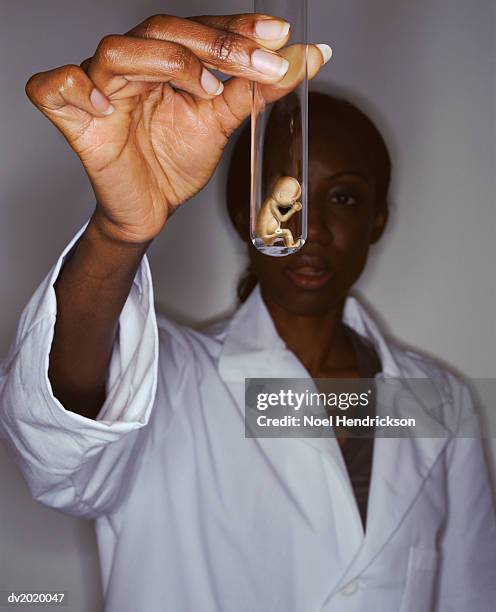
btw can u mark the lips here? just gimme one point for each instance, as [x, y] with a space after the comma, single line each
[309, 272]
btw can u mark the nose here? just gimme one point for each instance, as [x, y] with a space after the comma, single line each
[317, 230]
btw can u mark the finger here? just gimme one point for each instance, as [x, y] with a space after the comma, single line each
[235, 104]
[268, 30]
[121, 60]
[132, 89]
[68, 85]
[222, 50]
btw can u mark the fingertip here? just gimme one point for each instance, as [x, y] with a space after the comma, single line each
[317, 58]
[210, 83]
[220, 89]
[101, 103]
[271, 29]
[326, 52]
[269, 64]
[109, 111]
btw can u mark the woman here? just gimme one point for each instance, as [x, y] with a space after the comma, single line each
[138, 423]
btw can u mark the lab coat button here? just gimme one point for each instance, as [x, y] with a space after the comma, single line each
[350, 588]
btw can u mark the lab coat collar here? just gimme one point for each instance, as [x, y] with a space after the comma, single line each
[252, 347]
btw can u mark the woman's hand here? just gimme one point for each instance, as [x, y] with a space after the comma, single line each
[148, 118]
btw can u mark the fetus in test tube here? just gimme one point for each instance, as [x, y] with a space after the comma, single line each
[285, 194]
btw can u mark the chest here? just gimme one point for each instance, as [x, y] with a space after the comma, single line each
[278, 493]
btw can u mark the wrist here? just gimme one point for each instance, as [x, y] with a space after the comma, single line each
[103, 260]
[108, 233]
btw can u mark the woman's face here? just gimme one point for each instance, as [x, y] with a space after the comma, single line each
[344, 218]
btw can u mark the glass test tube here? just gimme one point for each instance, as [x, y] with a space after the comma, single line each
[278, 208]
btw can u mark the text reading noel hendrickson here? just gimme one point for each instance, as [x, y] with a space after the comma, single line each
[334, 421]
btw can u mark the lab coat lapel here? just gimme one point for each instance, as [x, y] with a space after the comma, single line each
[400, 467]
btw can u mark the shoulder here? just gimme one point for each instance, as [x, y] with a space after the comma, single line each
[416, 364]
[401, 361]
[445, 394]
[178, 340]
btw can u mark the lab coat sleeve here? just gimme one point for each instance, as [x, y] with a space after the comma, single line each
[468, 550]
[79, 465]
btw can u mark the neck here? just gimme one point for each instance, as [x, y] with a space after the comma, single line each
[319, 341]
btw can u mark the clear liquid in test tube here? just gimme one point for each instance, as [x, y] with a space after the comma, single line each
[279, 152]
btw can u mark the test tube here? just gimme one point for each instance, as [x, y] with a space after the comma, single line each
[279, 152]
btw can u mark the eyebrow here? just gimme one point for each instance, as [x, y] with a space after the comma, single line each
[350, 173]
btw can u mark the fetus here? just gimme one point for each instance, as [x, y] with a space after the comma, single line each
[285, 194]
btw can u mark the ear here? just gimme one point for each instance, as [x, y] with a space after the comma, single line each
[380, 221]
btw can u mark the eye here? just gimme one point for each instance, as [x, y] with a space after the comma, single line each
[342, 198]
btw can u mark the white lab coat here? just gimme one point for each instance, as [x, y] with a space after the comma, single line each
[191, 516]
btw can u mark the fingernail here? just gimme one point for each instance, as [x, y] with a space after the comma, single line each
[101, 103]
[271, 29]
[269, 63]
[211, 83]
[109, 110]
[326, 52]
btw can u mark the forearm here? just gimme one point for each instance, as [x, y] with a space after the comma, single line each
[91, 291]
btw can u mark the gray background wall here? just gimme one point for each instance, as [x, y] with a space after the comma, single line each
[425, 71]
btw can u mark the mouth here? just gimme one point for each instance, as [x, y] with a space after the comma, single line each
[309, 272]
